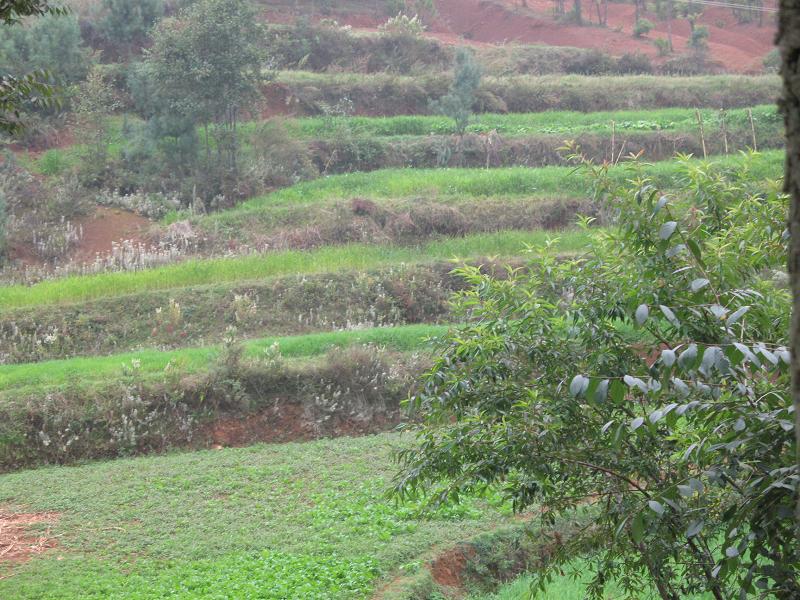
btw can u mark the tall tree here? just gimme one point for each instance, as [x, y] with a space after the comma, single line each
[205, 68]
[789, 43]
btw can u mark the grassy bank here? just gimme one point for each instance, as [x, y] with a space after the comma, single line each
[480, 183]
[53, 374]
[389, 95]
[199, 315]
[333, 259]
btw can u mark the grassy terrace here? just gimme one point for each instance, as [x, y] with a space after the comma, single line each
[560, 182]
[678, 120]
[297, 521]
[768, 124]
[329, 259]
[191, 360]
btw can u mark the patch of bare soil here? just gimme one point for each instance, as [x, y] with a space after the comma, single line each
[107, 226]
[18, 543]
[448, 569]
[737, 47]
[292, 423]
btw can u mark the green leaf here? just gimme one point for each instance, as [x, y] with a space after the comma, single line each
[578, 385]
[699, 284]
[694, 529]
[601, 393]
[642, 313]
[636, 423]
[667, 229]
[667, 311]
[688, 357]
[637, 528]
[668, 358]
[694, 248]
[656, 507]
[738, 315]
[617, 391]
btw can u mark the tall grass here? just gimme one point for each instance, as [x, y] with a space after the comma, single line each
[192, 360]
[329, 259]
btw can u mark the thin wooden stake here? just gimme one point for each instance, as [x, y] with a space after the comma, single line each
[702, 132]
[753, 129]
[613, 139]
[724, 128]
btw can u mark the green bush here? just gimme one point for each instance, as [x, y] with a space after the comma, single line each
[642, 28]
[699, 38]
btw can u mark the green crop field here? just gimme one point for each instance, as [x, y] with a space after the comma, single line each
[296, 521]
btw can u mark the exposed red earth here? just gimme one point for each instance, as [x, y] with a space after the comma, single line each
[735, 47]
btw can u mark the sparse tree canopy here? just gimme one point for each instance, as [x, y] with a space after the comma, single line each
[458, 102]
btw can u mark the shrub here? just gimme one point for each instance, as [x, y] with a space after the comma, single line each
[699, 38]
[593, 62]
[642, 28]
[684, 428]
[277, 159]
[634, 63]
[772, 61]
[404, 25]
[663, 46]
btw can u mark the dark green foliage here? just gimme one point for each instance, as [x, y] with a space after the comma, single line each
[33, 89]
[684, 442]
[458, 102]
[698, 38]
[125, 24]
[12, 11]
[52, 43]
[204, 69]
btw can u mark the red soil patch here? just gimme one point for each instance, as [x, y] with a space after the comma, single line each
[290, 423]
[106, 227]
[737, 47]
[448, 569]
[17, 543]
[101, 230]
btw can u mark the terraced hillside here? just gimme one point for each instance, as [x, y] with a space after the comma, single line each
[210, 325]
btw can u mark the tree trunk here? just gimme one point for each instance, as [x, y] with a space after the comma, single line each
[789, 43]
